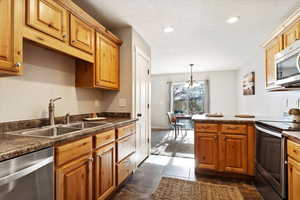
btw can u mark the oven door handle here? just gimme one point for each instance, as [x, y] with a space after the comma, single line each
[276, 134]
[23, 172]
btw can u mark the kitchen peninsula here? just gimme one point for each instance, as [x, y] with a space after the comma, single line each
[224, 145]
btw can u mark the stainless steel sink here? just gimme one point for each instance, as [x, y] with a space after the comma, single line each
[59, 130]
[50, 132]
[84, 125]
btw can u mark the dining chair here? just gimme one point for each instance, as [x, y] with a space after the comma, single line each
[174, 124]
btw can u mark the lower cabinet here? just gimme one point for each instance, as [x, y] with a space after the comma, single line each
[207, 150]
[293, 179]
[105, 171]
[293, 150]
[233, 153]
[74, 179]
[87, 169]
[225, 148]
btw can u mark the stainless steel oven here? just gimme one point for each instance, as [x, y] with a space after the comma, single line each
[287, 64]
[28, 177]
[270, 163]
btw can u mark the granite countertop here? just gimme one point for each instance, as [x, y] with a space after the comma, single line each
[14, 145]
[224, 119]
[293, 135]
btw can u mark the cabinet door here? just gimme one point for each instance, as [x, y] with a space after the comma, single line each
[293, 179]
[105, 176]
[272, 48]
[291, 35]
[6, 36]
[48, 17]
[82, 36]
[206, 151]
[107, 63]
[233, 153]
[74, 180]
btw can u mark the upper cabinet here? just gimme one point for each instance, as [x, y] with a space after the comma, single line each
[9, 64]
[82, 36]
[107, 63]
[62, 26]
[271, 49]
[291, 34]
[48, 17]
[284, 36]
[104, 73]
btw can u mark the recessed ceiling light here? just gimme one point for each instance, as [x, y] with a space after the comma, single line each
[233, 20]
[168, 29]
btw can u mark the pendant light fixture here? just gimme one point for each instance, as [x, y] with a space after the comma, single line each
[191, 82]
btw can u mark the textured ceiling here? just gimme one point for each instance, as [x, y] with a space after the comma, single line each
[201, 34]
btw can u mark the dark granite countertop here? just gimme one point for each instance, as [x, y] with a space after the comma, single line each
[225, 119]
[293, 135]
[13, 145]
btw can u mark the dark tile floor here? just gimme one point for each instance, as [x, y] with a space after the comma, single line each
[146, 178]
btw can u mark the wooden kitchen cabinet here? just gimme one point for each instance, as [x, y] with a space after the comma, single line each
[74, 180]
[107, 63]
[293, 179]
[233, 153]
[48, 17]
[9, 63]
[206, 151]
[105, 171]
[291, 34]
[225, 148]
[104, 73]
[293, 151]
[81, 35]
[270, 51]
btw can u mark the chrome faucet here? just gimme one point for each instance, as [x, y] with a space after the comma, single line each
[51, 111]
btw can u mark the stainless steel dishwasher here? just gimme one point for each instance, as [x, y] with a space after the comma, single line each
[28, 177]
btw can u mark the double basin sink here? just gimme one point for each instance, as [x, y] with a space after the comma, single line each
[59, 130]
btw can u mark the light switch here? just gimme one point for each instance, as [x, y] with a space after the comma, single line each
[122, 102]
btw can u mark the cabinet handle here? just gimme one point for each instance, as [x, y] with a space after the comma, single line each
[73, 41]
[18, 64]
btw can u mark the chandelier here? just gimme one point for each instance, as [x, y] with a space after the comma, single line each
[191, 82]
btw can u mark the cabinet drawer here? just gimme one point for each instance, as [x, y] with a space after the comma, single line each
[104, 138]
[70, 151]
[125, 168]
[293, 150]
[234, 128]
[125, 147]
[126, 130]
[206, 128]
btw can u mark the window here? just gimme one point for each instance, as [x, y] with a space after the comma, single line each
[189, 100]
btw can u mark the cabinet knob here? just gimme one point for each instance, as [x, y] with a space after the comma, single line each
[91, 159]
[73, 41]
[18, 64]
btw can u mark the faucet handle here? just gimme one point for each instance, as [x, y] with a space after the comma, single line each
[68, 118]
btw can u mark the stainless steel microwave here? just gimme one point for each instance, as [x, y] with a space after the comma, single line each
[287, 63]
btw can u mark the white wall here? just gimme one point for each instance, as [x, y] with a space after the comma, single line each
[47, 74]
[223, 93]
[131, 39]
[263, 103]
